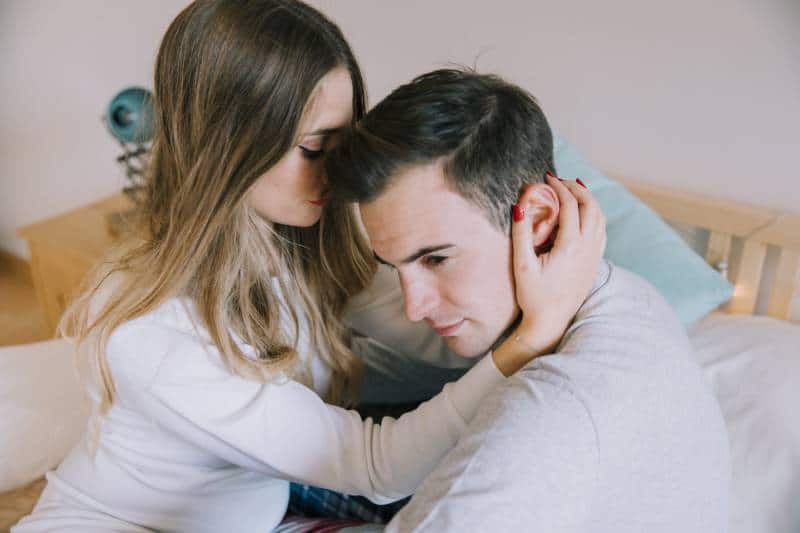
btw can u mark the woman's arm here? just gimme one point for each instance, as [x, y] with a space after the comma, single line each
[283, 428]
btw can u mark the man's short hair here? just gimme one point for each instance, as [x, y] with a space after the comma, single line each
[490, 136]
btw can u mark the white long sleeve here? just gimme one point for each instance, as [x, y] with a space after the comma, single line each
[189, 446]
[284, 429]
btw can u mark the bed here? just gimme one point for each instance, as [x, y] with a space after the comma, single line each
[757, 249]
[748, 348]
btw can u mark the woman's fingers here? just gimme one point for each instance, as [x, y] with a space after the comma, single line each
[569, 214]
[590, 213]
[592, 219]
[580, 219]
[551, 287]
[522, 243]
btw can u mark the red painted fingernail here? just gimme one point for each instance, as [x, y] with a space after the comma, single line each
[518, 213]
[550, 175]
[579, 182]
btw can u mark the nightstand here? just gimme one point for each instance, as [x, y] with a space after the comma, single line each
[64, 248]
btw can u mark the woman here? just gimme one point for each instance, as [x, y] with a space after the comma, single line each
[212, 341]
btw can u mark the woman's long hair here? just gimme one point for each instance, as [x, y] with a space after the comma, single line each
[232, 82]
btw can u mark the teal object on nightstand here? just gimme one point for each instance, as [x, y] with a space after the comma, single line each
[130, 115]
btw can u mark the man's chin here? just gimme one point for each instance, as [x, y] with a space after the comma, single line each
[466, 349]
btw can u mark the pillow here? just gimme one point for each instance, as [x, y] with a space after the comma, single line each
[753, 365]
[640, 241]
[42, 409]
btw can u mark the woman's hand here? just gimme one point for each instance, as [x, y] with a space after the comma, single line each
[551, 287]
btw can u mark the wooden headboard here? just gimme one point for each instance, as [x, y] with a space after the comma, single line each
[759, 230]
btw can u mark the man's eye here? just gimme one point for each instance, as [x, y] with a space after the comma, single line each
[308, 153]
[434, 260]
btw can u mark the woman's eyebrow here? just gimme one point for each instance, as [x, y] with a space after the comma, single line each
[382, 261]
[322, 131]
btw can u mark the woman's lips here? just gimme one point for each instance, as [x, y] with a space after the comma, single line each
[448, 331]
[319, 203]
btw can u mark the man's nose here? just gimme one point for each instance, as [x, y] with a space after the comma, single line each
[419, 299]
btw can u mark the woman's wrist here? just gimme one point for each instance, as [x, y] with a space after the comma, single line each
[518, 349]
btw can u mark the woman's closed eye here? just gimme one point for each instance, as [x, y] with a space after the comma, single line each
[310, 153]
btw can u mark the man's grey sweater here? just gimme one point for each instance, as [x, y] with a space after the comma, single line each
[616, 432]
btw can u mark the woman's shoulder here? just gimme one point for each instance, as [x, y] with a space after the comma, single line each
[167, 339]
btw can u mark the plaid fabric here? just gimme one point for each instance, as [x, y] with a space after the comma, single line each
[308, 501]
[301, 524]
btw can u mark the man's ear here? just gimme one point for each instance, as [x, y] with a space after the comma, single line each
[541, 206]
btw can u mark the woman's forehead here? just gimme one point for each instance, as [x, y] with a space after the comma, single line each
[330, 107]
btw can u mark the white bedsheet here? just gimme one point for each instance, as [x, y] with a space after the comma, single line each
[753, 364]
[42, 409]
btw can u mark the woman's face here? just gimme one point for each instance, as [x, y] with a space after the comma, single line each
[294, 191]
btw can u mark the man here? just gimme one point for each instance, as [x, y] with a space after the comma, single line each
[614, 431]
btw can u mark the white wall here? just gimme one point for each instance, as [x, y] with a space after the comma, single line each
[61, 62]
[700, 95]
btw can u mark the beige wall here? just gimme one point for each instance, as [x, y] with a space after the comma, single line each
[699, 95]
[61, 62]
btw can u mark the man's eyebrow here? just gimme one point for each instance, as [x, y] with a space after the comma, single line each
[416, 255]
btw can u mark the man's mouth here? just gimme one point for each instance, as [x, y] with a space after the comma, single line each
[447, 330]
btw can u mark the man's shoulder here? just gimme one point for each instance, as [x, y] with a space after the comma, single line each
[620, 295]
[626, 323]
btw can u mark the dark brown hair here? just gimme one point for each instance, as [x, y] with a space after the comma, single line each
[233, 80]
[491, 136]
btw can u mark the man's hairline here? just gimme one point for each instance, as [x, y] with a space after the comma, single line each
[442, 162]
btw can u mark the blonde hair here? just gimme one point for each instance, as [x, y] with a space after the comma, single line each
[232, 82]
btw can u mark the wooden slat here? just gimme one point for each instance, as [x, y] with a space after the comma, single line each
[733, 218]
[786, 284]
[759, 227]
[718, 251]
[748, 278]
[784, 232]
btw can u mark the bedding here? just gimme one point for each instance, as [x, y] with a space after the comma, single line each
[42, 409]
[42, 414]
[752, 363]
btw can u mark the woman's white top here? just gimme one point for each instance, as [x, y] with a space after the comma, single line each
[189, 446]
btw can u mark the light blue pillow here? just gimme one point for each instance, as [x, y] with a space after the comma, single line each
[640, 241]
